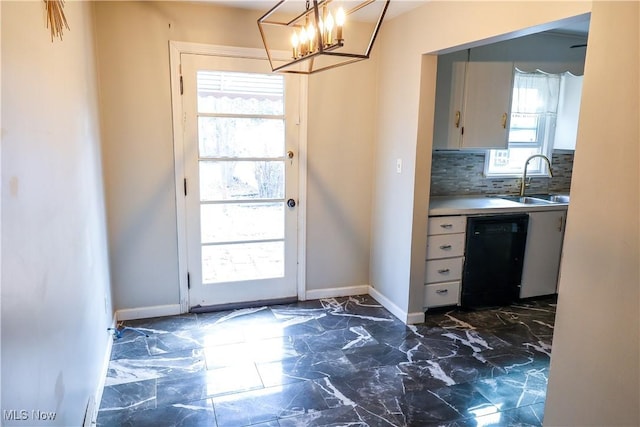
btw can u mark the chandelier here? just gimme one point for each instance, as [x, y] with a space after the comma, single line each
[320, 34]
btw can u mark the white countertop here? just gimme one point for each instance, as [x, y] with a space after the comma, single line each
[470, 205]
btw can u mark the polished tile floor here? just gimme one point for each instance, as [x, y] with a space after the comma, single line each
[332, 362]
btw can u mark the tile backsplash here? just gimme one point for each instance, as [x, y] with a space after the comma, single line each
[460, 173]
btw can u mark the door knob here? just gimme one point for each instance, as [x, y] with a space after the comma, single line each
[290, 154]
[291, 203]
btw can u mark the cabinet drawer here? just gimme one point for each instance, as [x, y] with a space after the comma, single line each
[441, 294]
[443, 270]
[446, 225]
[445, 246]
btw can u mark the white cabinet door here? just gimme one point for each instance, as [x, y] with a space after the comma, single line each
[442, 294]
[473, 101]
[568, 112]
[542, 253]
[445, 246]
[488, 90]
[447, 131]
[446, 225]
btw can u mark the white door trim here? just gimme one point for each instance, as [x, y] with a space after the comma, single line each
[176, 48]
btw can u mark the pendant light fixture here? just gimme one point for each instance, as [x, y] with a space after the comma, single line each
[321, 34]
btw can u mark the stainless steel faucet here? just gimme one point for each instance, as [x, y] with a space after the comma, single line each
[524, 174]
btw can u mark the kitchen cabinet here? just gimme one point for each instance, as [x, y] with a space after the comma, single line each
[568, 112]
[473, 100]
[542, 253]
[474, 88]
[445, 251]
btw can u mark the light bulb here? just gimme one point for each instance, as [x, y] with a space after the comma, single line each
[329, 29]
[340, 18]
[294, 44]
[311, 32]
[303, 41]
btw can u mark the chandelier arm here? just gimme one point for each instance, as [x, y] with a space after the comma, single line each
[378, 25]
[273, 9]
[266, 45]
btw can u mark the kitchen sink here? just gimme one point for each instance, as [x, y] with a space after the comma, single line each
[528, 200]
[555, 198]
[561, 198]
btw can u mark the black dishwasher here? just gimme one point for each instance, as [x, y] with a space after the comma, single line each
[493, 260]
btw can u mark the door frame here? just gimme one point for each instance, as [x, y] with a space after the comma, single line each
[176, 48]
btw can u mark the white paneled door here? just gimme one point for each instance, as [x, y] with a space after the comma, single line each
[241, 177]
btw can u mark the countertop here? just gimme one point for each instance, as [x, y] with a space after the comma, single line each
[481, 205]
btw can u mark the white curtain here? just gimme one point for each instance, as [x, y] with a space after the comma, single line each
[536, 92]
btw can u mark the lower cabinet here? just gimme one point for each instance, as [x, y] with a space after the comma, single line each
[445, 250]
[542, 253]
[442, 294]
[445, 257]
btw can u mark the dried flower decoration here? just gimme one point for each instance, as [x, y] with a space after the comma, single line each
[56, 21]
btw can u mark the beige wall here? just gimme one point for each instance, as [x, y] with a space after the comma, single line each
[341, 134]
[595, 360]
[56, 297]
[136, 105]
[399, 207]
[595, 363]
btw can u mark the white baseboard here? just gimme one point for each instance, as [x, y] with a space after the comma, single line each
[407, 318]
[388, 304]
[91, 416]
[414, 318]
[346, 291]
[147, 312]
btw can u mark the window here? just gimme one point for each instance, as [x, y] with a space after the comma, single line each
[533, 116]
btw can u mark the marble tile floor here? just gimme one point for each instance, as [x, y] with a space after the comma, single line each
[332, 362]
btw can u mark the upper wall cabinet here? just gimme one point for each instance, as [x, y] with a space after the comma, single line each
[568, 112]
[472, 103]
[474, 89]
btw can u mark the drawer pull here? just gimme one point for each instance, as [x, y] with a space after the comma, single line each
[442, 291]
[446, 225]
[445, 247]
[443, 271]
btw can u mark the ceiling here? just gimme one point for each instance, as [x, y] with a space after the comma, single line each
[396, 7]
[581, 28]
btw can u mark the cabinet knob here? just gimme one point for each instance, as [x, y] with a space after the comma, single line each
[446, 225]
[442, 291]
[504, 120]
[443, 271]
[457, 121]
[445, 247]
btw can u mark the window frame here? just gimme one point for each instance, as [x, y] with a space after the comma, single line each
[543, 145]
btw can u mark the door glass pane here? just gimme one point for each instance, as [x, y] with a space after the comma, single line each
[231, 222]
[247, 261]
[229, 180]
[240, 93]
[240, 137]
